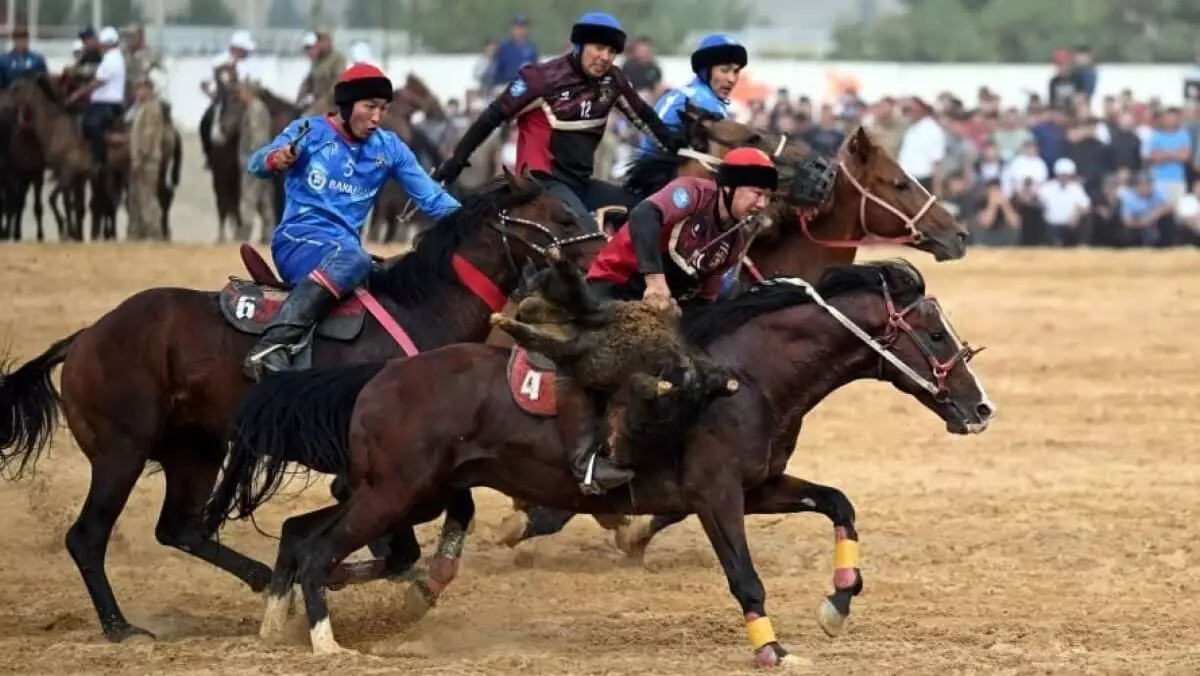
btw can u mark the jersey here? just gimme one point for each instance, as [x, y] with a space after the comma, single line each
[699, 94]
[562, 115]
[334, 180]
[14, 66]
[676, 232]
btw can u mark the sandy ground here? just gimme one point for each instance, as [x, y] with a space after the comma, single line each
[1061, 541]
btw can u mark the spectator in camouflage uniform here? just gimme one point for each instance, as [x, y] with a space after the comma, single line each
[146, 136]
[254, 133]
[328, 65]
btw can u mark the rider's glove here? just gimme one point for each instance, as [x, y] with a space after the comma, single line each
[449, 170]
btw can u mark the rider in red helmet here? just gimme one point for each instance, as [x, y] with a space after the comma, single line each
[676, 247]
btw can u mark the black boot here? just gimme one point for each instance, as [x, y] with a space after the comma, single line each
[579, 415]
[306, 305]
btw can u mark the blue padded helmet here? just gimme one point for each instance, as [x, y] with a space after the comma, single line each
[598, 28]
[717, 50]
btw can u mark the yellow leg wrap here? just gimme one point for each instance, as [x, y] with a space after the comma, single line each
[760, 632]
[846, 554]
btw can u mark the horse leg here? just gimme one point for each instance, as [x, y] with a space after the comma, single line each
[190, 477]
[280, 591]
[789, 495]
[721, 510]
[531, 522]
[634, 535]
[38, 182]
[53, 199]
[424, 591]
[18, 208]
[116, 466]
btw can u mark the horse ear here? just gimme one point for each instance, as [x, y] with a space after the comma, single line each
[861, 145]
[514, 181]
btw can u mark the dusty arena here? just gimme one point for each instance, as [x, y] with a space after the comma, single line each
[1060, 541]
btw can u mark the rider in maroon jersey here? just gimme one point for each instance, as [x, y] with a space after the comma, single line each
[562, 108]
[677, 246]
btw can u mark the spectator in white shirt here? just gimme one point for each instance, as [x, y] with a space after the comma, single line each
[1187, 216]
[105, 94]
[1026, 168]
[923, 147]
[1064, 204]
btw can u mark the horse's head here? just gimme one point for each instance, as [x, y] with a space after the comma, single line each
[543, 226]
[891, 203]
[228, 98]
[922, 354]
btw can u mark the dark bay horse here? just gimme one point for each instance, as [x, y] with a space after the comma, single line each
[874, 200]
[156, 378]
[790, 349]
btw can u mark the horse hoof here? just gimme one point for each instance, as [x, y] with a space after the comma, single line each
[125, 631]
[512, 529]
[663, 387]
[417, 601]
[831, 621]
[773, 656]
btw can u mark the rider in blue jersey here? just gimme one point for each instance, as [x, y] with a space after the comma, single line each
[333, 165]
[717, 63]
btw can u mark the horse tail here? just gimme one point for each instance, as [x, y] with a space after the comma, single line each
[301, 417]
[29, 406]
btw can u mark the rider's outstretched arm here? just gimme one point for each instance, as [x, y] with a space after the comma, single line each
[513, 101]
[431, 198]
[642, 115]
[260, 162]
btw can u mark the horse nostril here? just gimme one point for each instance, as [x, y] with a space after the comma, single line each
[962, 237]
[984, 410]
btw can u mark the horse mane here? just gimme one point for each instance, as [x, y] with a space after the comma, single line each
[649, 171]
[704, 324]
[415, 276]
[277, 104]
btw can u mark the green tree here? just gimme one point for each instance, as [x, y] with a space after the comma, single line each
[463, 25]
[206, 13]
[1025, 30]
[283, 14]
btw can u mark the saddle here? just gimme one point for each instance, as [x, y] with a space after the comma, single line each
[531, 379]
[250, 305]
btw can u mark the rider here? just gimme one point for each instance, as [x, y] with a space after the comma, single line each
[334, 165]
[718, 64]
[21, 61]
[105, 93]
[562, 107]
[677, 246]
[241, 46]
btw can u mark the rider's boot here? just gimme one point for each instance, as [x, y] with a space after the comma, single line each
[306, 305]
[578, 420]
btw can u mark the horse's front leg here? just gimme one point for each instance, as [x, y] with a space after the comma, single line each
[721, 509]
[789, 495]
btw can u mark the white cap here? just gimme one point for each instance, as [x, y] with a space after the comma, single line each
[77, 46]
[242, 40]
[310, 39]
[360, 53]
[109, 36]
[1064, 166]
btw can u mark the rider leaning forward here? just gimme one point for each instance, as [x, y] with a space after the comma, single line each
[676, 247]
[334, 165]
[562, 107]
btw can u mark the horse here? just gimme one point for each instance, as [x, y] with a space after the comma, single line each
[404, 453]
[872, 197]
[26, 169]
[40, 110]
[224, 160]
[156, 378]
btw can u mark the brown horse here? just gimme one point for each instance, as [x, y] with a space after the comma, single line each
[873, 200]
[402, 452]
[156, 378]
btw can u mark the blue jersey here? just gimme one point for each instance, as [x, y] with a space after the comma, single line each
[699, 94]
[334, 181]
[14, 66]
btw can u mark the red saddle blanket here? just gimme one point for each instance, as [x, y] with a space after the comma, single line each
[531, 381]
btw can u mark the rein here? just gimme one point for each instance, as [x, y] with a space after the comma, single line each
[912, 236]
[897, 324]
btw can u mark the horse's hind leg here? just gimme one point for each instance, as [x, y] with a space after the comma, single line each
[789, 495]
[423, 592]
[531, 522]
[37, 205]
[280, 593]
[116, 466]
[190, 467]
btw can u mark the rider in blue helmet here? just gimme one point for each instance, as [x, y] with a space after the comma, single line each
[717, 63]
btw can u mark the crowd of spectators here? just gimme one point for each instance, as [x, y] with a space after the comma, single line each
[1058, 169]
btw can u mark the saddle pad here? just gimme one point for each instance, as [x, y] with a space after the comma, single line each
[249, 307]
[531, 381]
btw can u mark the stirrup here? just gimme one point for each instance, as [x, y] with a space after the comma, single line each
[588, 486]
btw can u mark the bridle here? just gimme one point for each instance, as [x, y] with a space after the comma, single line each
[898, 325]
[911, 236]
[504, 220]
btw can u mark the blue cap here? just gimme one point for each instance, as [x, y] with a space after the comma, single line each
[86, 33]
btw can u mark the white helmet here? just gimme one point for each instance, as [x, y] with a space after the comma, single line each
[242, 40]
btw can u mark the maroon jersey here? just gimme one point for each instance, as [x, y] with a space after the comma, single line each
[561, 116]
[677, 232]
